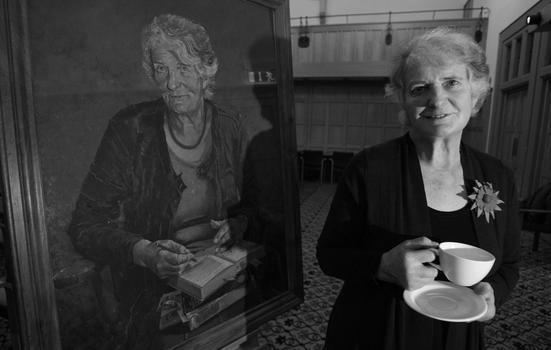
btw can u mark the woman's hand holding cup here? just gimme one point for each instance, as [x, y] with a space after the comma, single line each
[405, 264]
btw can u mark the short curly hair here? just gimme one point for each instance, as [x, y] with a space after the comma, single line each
[438, 47]
[192, 38]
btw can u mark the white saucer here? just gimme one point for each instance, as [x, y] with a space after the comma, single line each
[446, 301]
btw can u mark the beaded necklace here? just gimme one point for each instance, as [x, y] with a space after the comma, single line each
[173, 136]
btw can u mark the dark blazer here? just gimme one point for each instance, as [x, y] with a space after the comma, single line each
[381, 202]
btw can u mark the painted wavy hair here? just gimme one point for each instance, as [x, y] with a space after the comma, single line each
[191, 37]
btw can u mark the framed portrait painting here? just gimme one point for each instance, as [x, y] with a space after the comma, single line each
[149, 186]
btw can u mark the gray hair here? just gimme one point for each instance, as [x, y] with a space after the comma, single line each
[193, 40]
[438, 47]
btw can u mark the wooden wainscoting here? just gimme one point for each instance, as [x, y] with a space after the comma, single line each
[343, 115]
[349, 115]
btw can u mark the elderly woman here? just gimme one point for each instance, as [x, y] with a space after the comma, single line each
[397, 200]
[167, 179]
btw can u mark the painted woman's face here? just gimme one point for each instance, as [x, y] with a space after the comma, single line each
[438, 100]
[176, 75]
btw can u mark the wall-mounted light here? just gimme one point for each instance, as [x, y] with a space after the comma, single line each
[533, 19]
[478, 33]
[388, 36]
[303, 39]
[542, 19]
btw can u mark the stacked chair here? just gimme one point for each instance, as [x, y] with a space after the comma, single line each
[536, 213]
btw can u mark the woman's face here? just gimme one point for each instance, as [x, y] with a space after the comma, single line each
[438, 100]
[176, 76]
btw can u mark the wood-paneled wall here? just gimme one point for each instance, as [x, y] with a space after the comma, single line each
[349, 115]
[521, 131]
[343, 115]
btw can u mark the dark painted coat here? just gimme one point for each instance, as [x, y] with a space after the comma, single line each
[131, 192]
[381, 202]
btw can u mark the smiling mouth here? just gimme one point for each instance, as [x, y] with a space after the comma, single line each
[436, 116]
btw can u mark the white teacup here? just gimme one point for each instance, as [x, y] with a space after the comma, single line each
[464, 264]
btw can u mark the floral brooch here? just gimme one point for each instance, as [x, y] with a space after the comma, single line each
[485, 200]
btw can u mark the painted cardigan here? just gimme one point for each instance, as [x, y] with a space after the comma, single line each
[131, 192]
[381, 202]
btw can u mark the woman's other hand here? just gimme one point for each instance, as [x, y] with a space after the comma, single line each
[405, 264]
[164, 257]
[485, 290]
[230, 231]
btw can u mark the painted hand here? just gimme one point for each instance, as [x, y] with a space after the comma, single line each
[229, 232]
[164, 257]
[405, 263]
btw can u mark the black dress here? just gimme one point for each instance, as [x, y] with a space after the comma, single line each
[380, 202]
[454, 226]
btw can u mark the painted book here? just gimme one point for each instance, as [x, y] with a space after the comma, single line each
[187, 314]
[212, 270]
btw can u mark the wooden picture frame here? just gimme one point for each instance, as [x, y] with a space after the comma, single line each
[66, 68]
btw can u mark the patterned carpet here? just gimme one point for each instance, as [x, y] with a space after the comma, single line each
[5, 338]
[523, 323]
[304, 328]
